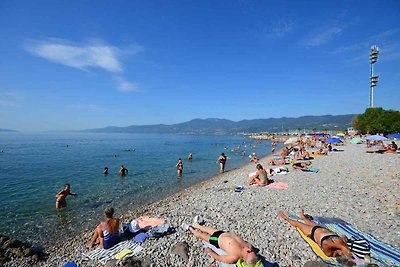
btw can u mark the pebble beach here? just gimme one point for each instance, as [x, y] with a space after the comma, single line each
[359, 188]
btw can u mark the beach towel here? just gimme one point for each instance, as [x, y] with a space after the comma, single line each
[146, 221]
[278, 185]
[310, 169]
[161, 230]
[103, 255]
[386, 254]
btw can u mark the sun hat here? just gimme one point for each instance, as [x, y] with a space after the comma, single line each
[134, 226]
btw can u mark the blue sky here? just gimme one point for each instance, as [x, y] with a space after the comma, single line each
[67, 65]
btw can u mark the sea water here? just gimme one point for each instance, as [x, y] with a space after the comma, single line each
[34, 168]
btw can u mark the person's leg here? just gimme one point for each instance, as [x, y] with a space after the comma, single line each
[205, 229]
[202, 236]
[94, 240]
[251, 181]
[306, 220]
[306, 229]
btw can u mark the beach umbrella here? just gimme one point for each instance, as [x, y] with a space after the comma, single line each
[394, 136]
[340, 134]
[291, 140]
[376, 138]
[355, 140]
[333, 140]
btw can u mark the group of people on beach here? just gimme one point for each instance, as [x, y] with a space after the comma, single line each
[107, 232]
[237, 250]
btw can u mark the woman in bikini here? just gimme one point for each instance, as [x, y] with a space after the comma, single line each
[331, 244]
[179, 166]
[222, 160]
[260, 178]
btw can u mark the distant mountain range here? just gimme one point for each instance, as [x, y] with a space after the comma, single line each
[6, 130]
[223, 126]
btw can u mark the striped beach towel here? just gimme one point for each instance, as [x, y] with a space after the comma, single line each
[386, 254]
[103, 255]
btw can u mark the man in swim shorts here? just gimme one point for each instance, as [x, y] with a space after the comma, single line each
[235, 247]
[123, 171]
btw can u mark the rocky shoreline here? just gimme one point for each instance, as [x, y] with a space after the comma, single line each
[352, 185]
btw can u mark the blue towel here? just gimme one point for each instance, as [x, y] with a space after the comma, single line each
[386, 254]
[140, 238]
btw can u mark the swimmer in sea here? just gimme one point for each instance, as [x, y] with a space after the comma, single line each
[105, 172]
[190, 157]
[123, 171]
[62, 195]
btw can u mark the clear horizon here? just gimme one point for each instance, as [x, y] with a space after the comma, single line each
[75, 65]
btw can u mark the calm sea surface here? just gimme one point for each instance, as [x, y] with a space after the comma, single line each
[34, 167]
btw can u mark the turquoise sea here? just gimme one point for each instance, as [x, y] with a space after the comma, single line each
[34, 167]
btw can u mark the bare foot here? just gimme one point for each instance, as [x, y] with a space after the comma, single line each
[302, 215]
[89, 245]
[280, 213]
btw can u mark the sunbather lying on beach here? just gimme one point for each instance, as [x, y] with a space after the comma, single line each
[107, 232]
[235, 247]
[331, 244]
[301, 165]
[277, 161]
[260, 178]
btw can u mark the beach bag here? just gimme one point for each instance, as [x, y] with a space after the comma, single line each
[360, 247]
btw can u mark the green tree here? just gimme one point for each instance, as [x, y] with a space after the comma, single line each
[377, 120]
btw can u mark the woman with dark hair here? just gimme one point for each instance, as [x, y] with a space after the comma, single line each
[222, 160]
[260, 178]
[107, 232]
[179, 166]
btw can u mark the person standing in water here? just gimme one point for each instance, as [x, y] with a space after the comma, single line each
[222, 160]
[123, 171]
[190, 157]
[61, 196]
[179, 166]
[105, 172]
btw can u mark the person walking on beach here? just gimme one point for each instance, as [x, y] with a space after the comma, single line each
[61, 196]
[331, 244]
[106, 233]
[236, 248]
[123, 171]
[222, 160]
[179, 166]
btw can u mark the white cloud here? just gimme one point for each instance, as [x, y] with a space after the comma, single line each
[94, 54]
[279, 29]
[323, 37]
[126, 86]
